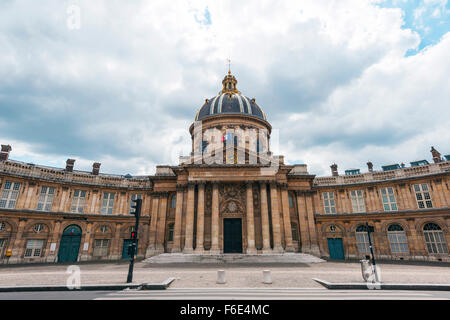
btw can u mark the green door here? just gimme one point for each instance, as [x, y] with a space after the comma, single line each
[232, 235]
[336, 248]
[126, 244]
[70, 244]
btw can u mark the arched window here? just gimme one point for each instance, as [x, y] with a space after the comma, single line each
[434, 239]
[397, 239]
[173, 202]
[362, 239]
[170, 233]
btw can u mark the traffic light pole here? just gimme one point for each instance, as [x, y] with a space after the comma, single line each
[137, 213]
[370, 229]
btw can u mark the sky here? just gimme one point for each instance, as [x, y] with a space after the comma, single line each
[119, 83]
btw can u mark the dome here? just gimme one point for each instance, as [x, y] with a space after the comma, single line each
[230, 101]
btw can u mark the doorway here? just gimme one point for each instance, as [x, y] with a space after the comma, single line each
[232, 235]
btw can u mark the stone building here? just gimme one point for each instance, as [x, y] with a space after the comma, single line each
[230, 195]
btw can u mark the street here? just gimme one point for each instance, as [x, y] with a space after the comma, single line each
[232, 294]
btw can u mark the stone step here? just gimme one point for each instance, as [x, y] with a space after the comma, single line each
[168, 258]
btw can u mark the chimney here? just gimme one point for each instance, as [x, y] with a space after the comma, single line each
[69, 165]
[436, 155]
[370, 166]
[4, 154]
[96, 168]
[334, 171]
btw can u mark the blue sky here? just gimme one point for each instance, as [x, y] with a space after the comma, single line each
[120, 83]
[430, 19]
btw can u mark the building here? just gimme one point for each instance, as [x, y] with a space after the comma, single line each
[230, 195]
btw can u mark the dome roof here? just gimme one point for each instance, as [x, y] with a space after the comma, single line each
[230, 101]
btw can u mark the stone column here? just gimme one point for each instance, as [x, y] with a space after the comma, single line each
[215, 221]
[189, 240]
[51, 257]
[251, 249]
[200, 218]
[86, 238]
[29, 196]
[303, 225]
[152, 234]
[114, 250]
[178, 220]
[277, 247]
[287, 220]
[161, 225]
[265, 220]
[312, 226]
[19, 244]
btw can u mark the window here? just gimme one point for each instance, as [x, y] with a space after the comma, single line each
[291, 200]
[173, 202]
[46, 199]
[108, 203]
[358, 201]
[134, 197]
[34, 248]
[38, 227]
[388, 198]
[2, 226]
[397, 239]
[294, 231]
[434, 239]
[171, 228]
[104, 229]
[101, 247]
[328, 202]
[9, 195]
[362, 239]
[78, 201]
[423, 196]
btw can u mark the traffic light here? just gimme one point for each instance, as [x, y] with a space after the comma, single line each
[133, 234]
[136, 207]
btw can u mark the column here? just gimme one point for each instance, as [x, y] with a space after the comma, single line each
[93, 202]
[161, 224]
[215, 220]
[178, 220]
[277, 247]
[265, 220]
[312, 226]
[200, 218]
[152, 234]
[251, 249]
[303, 225]
[19, 244]
[189, 240]
[115, 253]
[54, 238]
[287, 220]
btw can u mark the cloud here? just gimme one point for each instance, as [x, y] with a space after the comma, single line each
[124, 87]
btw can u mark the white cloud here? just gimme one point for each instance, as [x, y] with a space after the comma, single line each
[124, 88]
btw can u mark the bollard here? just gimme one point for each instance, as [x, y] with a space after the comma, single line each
[221, 276]
[267, 277]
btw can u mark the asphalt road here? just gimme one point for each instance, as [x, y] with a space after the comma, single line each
[232, 294]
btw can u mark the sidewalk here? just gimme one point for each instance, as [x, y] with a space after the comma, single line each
[200, 276]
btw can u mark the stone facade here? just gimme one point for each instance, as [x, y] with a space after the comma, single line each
[187, 207]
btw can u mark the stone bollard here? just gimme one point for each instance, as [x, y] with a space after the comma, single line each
[221, 276]
[267, 277]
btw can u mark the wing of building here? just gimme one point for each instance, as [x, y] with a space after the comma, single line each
[231, 194]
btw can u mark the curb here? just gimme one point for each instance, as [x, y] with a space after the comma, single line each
[384, 286]
[94, 287]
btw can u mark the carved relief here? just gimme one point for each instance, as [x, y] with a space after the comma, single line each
[232, 198]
